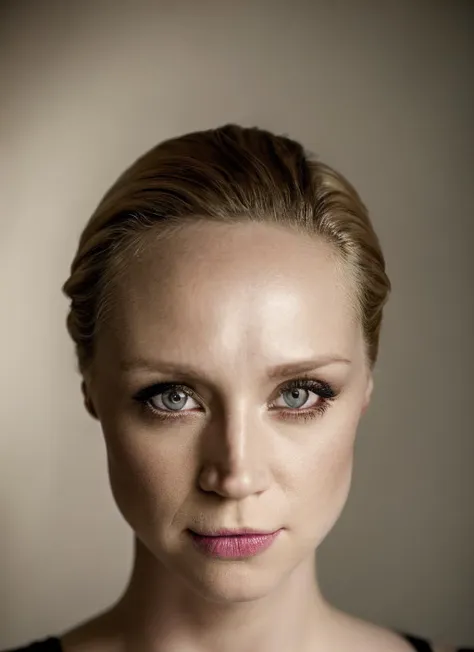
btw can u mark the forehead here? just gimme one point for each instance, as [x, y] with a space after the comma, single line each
[237, 292]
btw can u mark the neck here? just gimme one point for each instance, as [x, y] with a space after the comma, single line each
[159, 612]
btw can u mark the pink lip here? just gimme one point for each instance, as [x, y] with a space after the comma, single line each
[234, 544]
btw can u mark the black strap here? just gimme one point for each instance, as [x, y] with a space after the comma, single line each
[418, 643]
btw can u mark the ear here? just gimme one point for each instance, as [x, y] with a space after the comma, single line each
[89, 405]
[368, 393]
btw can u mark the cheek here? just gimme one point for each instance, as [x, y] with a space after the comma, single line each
[324, 479]
[148, 481]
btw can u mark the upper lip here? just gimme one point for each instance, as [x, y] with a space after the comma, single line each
[223, 532]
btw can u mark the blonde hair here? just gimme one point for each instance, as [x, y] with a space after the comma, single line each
[227, 174]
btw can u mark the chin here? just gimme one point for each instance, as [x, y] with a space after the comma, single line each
[228, 582]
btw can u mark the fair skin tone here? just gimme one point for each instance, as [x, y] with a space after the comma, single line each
[224, 306]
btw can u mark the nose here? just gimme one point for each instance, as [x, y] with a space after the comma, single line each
[236, 463]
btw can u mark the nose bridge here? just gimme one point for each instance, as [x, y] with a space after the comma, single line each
[237, 457]
[241, 434]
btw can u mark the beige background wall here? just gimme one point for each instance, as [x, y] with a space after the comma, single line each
[383, 91]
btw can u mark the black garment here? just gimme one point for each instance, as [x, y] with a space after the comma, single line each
[423, 646]
[53, 645]
[46, 645]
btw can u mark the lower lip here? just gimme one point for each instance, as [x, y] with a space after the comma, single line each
[234, 547]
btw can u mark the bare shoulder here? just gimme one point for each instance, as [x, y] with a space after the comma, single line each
[369, 637]
[359, 635]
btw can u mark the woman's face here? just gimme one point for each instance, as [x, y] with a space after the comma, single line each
[218, 309]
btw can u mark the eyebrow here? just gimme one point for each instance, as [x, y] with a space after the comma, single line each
[288, 369]
[279, 371]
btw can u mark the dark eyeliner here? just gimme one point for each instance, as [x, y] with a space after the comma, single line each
[326, 393]
[147, 393]
[323, 389]
[143, 398]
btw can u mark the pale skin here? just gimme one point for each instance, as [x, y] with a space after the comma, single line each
[230, 303]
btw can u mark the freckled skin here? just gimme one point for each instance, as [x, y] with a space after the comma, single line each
[230, 301]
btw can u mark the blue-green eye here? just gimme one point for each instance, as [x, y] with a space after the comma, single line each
[167, 397]
[296, 398]
[305, 393]
[173, 399]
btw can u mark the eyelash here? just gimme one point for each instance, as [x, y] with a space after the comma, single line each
[325, 392]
